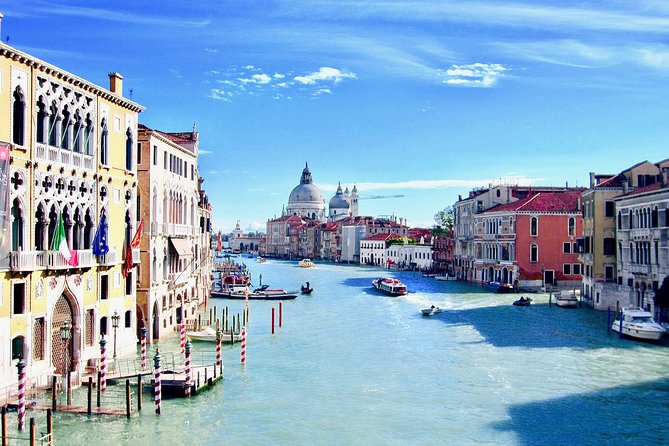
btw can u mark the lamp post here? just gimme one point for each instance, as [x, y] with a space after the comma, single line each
[115, 318]
[65, 331]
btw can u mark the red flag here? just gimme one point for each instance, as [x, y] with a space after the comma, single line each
[128, 261]
[138, 236]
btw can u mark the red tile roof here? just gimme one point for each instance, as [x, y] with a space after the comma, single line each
[563, 201]
[379, 237]
[641, 190]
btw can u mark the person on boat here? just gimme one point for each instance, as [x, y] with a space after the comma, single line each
[523, 299]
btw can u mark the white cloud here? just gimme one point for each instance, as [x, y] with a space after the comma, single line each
[473, 75]
[324, 74]
[205, 152]
[278, 76]
[261, 78]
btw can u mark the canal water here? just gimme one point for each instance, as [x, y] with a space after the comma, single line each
[352, 367]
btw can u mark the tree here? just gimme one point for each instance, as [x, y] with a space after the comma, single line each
[444, 222]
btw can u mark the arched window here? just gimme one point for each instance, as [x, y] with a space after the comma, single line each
[38, 339]
[534, 253]
[128, 319]
[53, 124]
[53, 220]
[87, 136]
[65, 130]
[104, 143]
[41, 121]
[78, 133]
[653, 218]
[103, 325]
[620, 220]
[17, 226]
[571, 226]
[40, 224]
[631, 253]
[534, 226]
[19, 118]
[17, 347]
[88, 229]
[128, 149]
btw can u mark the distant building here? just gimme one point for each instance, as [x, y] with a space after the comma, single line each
[244, 242]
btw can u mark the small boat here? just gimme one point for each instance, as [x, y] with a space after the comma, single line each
[306, 289]
[261, 260]
[306, 263]
[498, 287]
[431, 311]
[638, 323]
[390, 286]
[523, 302]
[255, 295]
[208, 334]
[444, 278]
[566, 299]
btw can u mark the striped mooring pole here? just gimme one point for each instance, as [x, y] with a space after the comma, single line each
[142, 335]
[156, 380]
[188, 347]
[243, 352]
[182, 330]
[21, 366]
[218, 347]
[103, 364]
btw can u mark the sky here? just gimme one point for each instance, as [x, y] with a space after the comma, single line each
[425, 99]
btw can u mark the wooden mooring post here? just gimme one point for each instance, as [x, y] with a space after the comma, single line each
[90, 396]
[33, 432]
[49, 425]
[99, 390]
[127, 398]
[4, 425]
[139, 393]
[54, 389]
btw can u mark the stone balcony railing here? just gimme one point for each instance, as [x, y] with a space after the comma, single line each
[638, 233]
[108, 259]
[67, 158]
[639, 268]
[27, 260]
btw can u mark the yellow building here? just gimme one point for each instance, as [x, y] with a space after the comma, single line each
[72, 147]
[602, 286]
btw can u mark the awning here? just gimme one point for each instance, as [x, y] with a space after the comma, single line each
[181, 247]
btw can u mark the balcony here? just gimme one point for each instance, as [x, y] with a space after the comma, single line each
[179, 230]
[67, 158]
[135, 256]
[108, 259]
[55, 260]
[640, 269]
[640, 233]
[86, 258]
[27, 260]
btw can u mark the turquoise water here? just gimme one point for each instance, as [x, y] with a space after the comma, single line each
[352, 367]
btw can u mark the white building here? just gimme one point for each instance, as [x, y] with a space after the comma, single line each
[415, 256]
[305, 199]
[374, 250]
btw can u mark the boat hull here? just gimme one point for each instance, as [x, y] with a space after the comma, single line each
[254, 296]
[394, 291]
[566, 303]
[639, 333]
[430, 311]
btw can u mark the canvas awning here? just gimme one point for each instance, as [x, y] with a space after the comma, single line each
[181, 247]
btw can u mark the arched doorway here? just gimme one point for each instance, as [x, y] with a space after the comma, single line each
[491, 274]
[62, 351]
[505, 276]
[156, 322]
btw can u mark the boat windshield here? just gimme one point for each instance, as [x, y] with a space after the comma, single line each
[643, 319]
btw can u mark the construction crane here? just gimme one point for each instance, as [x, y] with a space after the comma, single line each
[376, 197]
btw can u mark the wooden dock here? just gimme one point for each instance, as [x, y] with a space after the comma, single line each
[173, 382]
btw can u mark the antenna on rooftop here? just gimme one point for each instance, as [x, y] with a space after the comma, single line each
[130, 94]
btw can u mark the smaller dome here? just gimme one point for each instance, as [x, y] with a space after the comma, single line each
[338, 201]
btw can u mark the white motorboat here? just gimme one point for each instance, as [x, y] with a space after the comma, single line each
[566, 299]
[390, 286]
[306, 263]
[430, 311]
[445, 278]
[208, 334]
[638, 323]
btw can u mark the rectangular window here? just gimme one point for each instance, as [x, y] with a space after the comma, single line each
[566, 248]
[104, 286]
[139, 152]
[19, 298]
[609, 246]
[566, 269]
[155, 155]
[576, 268]
[610, 209]
[609, 272]
[574, 247]
[165, 160]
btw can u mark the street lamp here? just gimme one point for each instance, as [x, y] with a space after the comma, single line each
[65, 331]
[115, 318]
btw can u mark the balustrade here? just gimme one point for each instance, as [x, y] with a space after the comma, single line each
[26, 260]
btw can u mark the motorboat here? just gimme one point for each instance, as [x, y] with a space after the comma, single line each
[306, 263]
[431, 311]
[390, 286]
[523, 302]
[638, 323]
[444, 278]
[208, 334]
[566, 299]
[261, 259]
[498, 287]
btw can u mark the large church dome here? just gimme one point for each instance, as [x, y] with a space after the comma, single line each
[305, 199]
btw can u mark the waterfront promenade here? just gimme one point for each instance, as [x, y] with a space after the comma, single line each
[350, 366]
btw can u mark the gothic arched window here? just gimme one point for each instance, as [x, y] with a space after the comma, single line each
[19, 117]
[17, 226]
[104, 143]
[128, 149]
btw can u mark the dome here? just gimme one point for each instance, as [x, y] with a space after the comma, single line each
[338, 201]
[305, 193]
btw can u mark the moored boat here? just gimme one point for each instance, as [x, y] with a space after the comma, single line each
[498, 287]
[390, 286]
[256, 295]
[444, 278]
[523, 302]
[638, 323]
[208, 334]
[566, 299]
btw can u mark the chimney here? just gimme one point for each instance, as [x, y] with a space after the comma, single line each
[116, 83]
[626, 186]
[663, 176]
[592, 180]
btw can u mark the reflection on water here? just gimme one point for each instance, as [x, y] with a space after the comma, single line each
[350, 366]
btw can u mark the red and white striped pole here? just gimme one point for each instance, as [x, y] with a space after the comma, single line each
[188, 347]
[183, 338]
[243, 358]
[103, 364]
[156, 380]
[21, 366]
[218, 348]
[142, 335]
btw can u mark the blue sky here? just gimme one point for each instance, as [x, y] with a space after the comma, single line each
[421, 98]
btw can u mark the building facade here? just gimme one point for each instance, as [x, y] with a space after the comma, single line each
[170, 200]
[72, 158]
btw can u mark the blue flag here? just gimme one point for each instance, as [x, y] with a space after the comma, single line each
[100, 246]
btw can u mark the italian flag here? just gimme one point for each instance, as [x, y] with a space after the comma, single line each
[60, 243]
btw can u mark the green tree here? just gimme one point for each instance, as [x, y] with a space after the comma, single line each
[444, 222]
